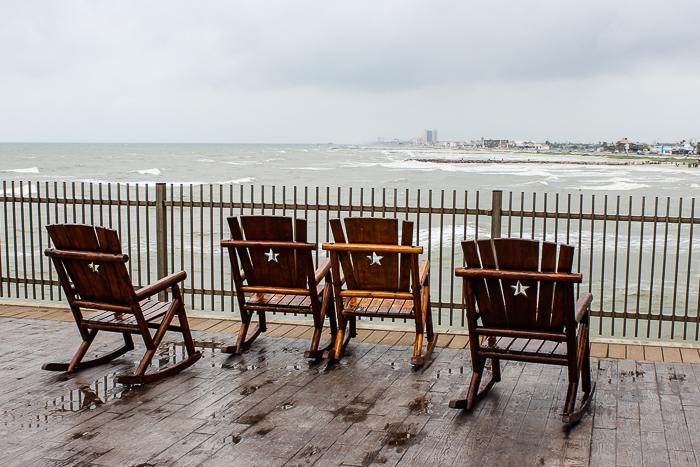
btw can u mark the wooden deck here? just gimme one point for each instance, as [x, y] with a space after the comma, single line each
[272, 407]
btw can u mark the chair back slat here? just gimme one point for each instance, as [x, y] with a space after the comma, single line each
[563, 293]
[378, 271]
[343, 256]
[95, 281]
[548, 263]
[471, 259]
[498, 315]
[405, 259]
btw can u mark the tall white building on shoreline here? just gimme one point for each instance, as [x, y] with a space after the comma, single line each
[430, 136]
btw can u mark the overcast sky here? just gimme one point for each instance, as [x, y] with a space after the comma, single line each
[298, 71]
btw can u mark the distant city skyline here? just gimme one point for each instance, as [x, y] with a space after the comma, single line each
[314, 72]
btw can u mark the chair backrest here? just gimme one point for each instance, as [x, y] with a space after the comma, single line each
[90, 258]
[528, 303]
[370, 270]
[288, 264]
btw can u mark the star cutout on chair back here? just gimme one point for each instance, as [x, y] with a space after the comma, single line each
[376, 259]
[272, 256]
[520, 288]
[94, 268]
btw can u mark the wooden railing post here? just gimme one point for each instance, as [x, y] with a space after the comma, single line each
[496, 206]
[161, 234]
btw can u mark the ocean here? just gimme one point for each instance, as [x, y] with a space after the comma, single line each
[652, 268]
[337, 166]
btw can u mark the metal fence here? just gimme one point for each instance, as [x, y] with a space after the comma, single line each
[637, 255]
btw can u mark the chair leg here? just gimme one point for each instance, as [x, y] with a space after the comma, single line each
[326, 309]
[496, 369]
[140, 376]
[79, 364]
[420, 356]
[477, 390]
[584, 372]
[244, 341]
[342, 337]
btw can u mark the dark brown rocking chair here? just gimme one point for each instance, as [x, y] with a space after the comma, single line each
[276, 265]
[527, 312]
[383, 278]
[93, 274]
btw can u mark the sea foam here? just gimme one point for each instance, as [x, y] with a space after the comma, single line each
[147, 172]
[30, 170]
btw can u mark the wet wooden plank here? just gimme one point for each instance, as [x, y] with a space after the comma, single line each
[273, 405]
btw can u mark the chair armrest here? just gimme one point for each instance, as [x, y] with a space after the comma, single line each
[323, 269]
[483, 273]
[320, 274]
[582, 305]
[160, 285]
[423, 271]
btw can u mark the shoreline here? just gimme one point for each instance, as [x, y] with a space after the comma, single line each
[529, 161]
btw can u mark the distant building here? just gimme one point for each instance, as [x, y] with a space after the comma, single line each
[427, 136]
[435, 138]
[625, 145]
[496, 143]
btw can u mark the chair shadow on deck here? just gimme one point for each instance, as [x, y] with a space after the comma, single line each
[527, 311]
[92, 272]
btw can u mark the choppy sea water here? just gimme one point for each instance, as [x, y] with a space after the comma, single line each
[661, 254]
[344, 166]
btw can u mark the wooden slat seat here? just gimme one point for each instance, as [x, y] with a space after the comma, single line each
[379, 307]
[520, 306]
[384, 279]
[152, 310]
[300, 303]
[92, 271]
[519, 349]
[273, 270]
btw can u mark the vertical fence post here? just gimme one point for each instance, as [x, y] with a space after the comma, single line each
[161, 235]
[496, 206]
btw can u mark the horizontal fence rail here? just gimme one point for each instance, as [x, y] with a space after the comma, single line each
[638, 256]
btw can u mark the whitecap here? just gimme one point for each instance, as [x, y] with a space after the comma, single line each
[147, 172]
[205, 160]
[310, 168]
[621, 186]
[239, 181]
[241, 162]
[282, 151]
[30, 170]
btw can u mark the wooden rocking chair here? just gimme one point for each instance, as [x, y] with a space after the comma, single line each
[527, 311]
[276, 265]
[93, 274]
[383, 277]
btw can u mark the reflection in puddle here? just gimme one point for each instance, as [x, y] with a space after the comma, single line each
[89, 397]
